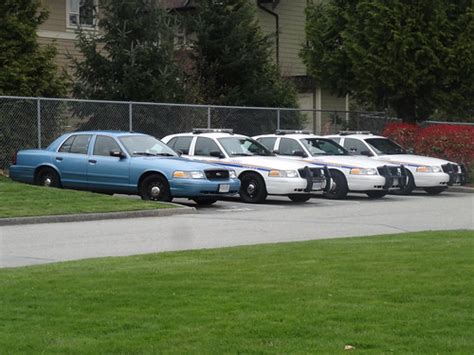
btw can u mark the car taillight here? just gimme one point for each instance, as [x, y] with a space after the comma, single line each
[14, 158]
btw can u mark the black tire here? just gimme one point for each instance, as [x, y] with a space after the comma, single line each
[155, 188]
[204, 201]
[47, 177]
[376, 194]
[434, 190]
[252, 188]
[408, 188]
[341, 189]
[299, 197]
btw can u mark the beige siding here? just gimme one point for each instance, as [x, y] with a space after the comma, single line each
[57, 15]
[292, 34]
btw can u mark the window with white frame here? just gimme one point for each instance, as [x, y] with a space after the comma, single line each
[82, 13]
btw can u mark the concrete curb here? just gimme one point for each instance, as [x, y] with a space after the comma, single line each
[465, 189]
[97, 216]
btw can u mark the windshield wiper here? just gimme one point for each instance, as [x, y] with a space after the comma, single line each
[165, 154]
[148, 154]
[241, 154]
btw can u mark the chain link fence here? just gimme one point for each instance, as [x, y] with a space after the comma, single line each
[29, 122]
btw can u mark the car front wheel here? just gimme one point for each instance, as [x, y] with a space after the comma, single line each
[434, 190]
[299, 197]
[252, 188]
[340, 189]
[48, 177]
[155, 188]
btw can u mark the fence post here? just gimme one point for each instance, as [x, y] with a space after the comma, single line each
[38, 120]
[208, 116]
[278, 118]
[130, 117]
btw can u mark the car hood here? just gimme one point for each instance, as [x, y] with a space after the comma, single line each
[345, 161]
[176, 163]
[411, 159]
[268, 162]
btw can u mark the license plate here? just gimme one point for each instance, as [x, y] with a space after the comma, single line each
[317, 186]
[224, 188]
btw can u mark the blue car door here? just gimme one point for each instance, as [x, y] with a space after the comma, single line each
[71, 159]
[106, 172]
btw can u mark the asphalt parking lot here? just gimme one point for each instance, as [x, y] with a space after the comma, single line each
[232, 223]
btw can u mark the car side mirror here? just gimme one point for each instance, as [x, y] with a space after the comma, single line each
[216, 153]
[299, 153]
[179, 152]
[117, 154]
[410, 151]
[275, 151]
[366, 153]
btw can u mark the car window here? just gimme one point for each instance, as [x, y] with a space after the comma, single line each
[181, 143]
[242, 146]
[204, 146]
[66, 146]
[289, 146]
[145, 145]
[78, 144]
[385, 146]
[104, 145]
[336, 139]
[268, 142]
[355, 146]
[318, 146]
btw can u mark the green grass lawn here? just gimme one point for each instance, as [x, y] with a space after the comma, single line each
[21, 200]
[406, 293]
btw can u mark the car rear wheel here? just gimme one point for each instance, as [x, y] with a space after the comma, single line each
[155, 188]
[434, 190]
[340, 190]
[409, 187]
[203, 201]
[47, 177]
[299, 197]
[252, 188]
[376, 194]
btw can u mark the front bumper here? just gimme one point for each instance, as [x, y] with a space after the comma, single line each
[287, 186]
[457, 173]
[367, 183]
[202, 187]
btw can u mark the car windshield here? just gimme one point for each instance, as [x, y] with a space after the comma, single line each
[317, 146]
[146, 145]
[385, 146]
[242, 146]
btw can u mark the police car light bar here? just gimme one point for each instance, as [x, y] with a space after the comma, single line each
[346, 133]
[290, 131]
[213, 130]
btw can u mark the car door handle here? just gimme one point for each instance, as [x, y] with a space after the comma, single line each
[92, 161]
[59, 158]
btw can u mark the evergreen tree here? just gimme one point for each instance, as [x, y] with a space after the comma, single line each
[26, 68]
[412, 57]
[131, 57]
[233, 59]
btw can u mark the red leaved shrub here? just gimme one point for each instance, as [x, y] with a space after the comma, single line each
[450, 142]
[402, 133]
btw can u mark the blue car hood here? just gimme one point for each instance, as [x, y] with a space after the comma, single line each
[174, 163]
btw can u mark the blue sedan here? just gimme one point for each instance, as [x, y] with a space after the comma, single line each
[122, 162]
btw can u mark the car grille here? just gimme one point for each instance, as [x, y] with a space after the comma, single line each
[315, 173]
[450, 168]
[218, 174]
[390, 171]
[457, 173]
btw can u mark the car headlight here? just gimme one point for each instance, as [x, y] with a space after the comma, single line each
[429, 169]
[188, 174]
[283, 173]
[362, 171]
[232, 174]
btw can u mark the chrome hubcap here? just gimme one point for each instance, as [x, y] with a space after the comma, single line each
[251, 188]
[155, 191]
[47, 181]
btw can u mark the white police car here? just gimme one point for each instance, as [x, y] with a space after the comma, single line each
[432, 174]
[349, 173]
[261, 172]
